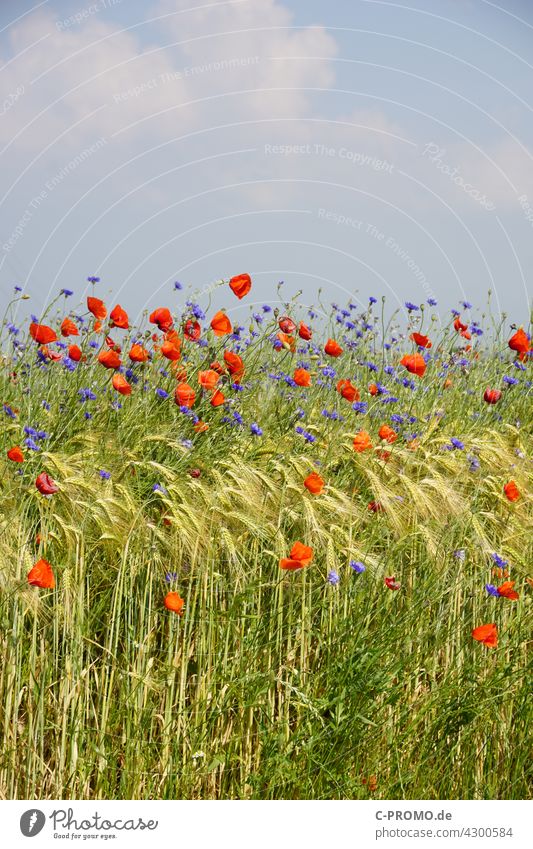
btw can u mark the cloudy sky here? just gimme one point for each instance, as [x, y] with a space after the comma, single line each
[361, 147]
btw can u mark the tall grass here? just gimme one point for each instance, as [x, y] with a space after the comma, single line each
[271, 684]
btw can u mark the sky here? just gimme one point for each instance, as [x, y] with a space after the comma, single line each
[353, 148]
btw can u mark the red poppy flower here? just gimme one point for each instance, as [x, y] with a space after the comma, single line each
[288, 342]
[138, 354]
[519, 342]
[302, 377]
[192, 330]
[304, 331]
[15, 454]
[348, 390]
[234, 363]
[109, 359]
[195, 473]
[162, 318]
[220, 324]
[314, 483]
[46, 485]
[362, 442]
[486, 634]
[240, 285]
[387, 433]
[459, 326]
[373, 389]
[421, 340]
[185, 395]
[208, 379]
[41, 575]
[492, 396]
[174, 602]
[376, 507]
[392, 583]
[119, 318]
[201, 427]
[506, 590]
[218, 367]
[97, 307]
[217, 398]
[414, 363]
[121, 384]
[68, 328]
[171, 351]
[75, 353]
[54, 356]
[97, 326]
[332, 348]
[112, 344]
[286, 325]
[42, 334]
[300, 556]
[511, 491]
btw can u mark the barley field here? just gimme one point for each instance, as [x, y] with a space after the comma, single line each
[284, 559]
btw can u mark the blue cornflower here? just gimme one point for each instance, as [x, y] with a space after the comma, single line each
[492, 590]
[457, 443]
[432, 302]
[93, 279]
[18, 288]
[161, 393]
[512, 381]
[87, 415]
[187, 443]
[499, 561]
[360, 407]
[238, 418]
[196, 310]
[333, 577]
[266, 308]
[30, 431]
[178, 285]
[411, 307]
[474, 462]
[66, 292]
[255, 429]
[329, 372]
[46, 406]
[170, 577]
[372, 300]
[466, 305]
[158, 488]
[459, 554]
[104, 475]
[69, 364]
[93, 344]
[31, 444]
[357, 566]
[86, 395]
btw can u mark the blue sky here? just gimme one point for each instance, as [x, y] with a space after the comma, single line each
[361, 148]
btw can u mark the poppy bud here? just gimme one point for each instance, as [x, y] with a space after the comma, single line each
[195, 473]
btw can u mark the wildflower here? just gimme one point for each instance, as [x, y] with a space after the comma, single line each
[194, 473]
[162, 318]
[486, 634]
[388, 434]
[121, 385]
[492, 396]
[492, 590]
[109, 359]
[332, 348]
[86, 395]
[174, 602]
[255, 429]
[161, 393]
[217, 399]
[348, 390]
[511, 381]
[499, 561]
[432, 302]
[192, 330]
[362, 441]
[459, 554]
[68, 328]
[170, 576]
[104, 475]
[333, 578]
[302, 377]
[300, 556]
[208, 379]
[42, 334]
[511, 491]
[357, 566]
[304, 332]
[97, 307]
[411, 307]
[314, 483]
[506, 591]
[360, 407]
[158, 488]
[45, 484]
[178, 285]
[220, 324]
[376, 507]
[421, 341]
[414, 363]
[15, 454]
[185, 395]
[519, 342]
[41, 575]
[474, 462]
[93, 279]
[456, 443]
[240, 285]
[119, 318]
[392, 583]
